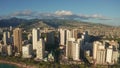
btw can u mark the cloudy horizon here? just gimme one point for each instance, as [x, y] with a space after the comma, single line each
[103, 11]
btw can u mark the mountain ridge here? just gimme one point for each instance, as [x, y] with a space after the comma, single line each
[55, 23]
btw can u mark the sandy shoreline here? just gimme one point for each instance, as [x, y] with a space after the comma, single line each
[20, 65]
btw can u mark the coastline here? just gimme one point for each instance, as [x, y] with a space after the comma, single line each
[19, 65]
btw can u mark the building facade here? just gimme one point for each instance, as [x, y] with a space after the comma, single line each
[6, 37]
[40, 49]
[101, 56]
[17, 37]
[27, 51]
[35, 37]
[9, 50]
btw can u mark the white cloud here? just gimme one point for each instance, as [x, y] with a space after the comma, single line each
[96, 16]
[63, 12]
[60, 14]
[100, 17]
[23, 13]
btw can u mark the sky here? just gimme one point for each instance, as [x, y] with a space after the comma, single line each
[97, 11]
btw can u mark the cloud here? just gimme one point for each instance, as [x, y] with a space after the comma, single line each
[23, 13]
[69, 15]
[63, 12]
[95, 16]
[60, 14]
[101, 17]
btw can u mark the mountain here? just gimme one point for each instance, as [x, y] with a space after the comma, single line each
[54, 23]
[11, 22]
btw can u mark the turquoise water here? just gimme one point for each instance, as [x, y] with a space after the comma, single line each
[2, 65]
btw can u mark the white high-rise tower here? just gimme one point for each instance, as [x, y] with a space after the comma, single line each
[64, 36]
[35, 37]
[40, 49]
[6, 36]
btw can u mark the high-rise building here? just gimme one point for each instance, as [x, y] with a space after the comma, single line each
[27, 51]
[115, 56]
[100, 53]
[73, 49]
[11, 28]
[17, 37]
[3, 50]
[0, 48]
[69, 49]
[68, 35]
[76, 51]
[9, 50]
[86, 36]
[104, 53]
[64, 36]
[101, 56]
[6, 37]
[96, 44]
[40, 49]
[81, 43]
[109, 55]
[29, 37]
[75, 33]
[50, 39]
[35, 37]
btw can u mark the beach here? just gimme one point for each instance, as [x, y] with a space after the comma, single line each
[20, 65]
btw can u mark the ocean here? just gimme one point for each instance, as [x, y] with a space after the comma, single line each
[2, 65]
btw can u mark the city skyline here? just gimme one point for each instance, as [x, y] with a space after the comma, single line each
[62, 46]
[97, 11]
